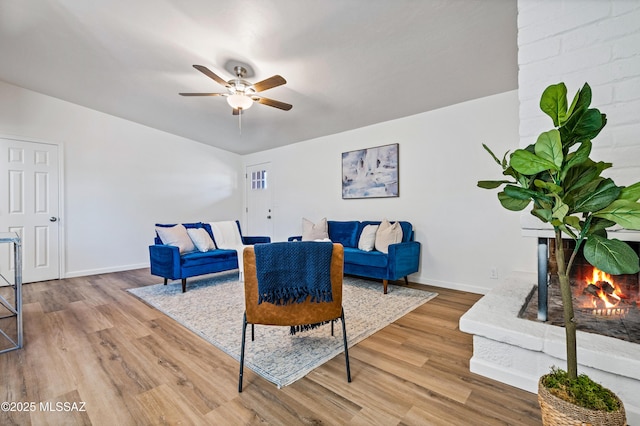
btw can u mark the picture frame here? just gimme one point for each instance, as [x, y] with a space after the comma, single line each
[371, 172]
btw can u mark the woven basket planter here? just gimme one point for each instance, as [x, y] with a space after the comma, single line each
[558, 412]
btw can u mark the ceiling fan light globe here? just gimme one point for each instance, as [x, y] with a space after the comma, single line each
[239, 101]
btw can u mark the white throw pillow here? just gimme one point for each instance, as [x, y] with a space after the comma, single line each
[201, 239]
[368, 238]
[176, 236]
[311, 231]
[388, 234]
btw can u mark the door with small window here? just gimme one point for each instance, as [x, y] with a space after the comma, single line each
[259, 200]
[29, 206]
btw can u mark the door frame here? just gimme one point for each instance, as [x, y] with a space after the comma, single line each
[62, 273]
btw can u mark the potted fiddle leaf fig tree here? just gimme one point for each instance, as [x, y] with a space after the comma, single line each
[565, 189]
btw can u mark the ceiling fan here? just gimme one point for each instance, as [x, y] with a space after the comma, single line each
[240, 93]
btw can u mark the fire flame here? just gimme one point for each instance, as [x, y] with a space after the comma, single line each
[610, 300]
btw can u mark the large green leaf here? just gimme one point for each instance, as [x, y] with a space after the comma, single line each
[611, 256]
[574, 103]
[578, 108]
[580, 156]
[492, 184]
[589, 125]
[630, 193]
[580, 103]
[520, 193]
[599, 224]
[528, 163]
[549, 186]
[554, 103]
[623, 212]
[581, 192]
[549, 147]
[573, 221]
[512, 204]
[583, 174]
[604, 194]
[542, 214]
[560, 211]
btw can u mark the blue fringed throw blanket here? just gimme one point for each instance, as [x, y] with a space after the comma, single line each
[289, 262]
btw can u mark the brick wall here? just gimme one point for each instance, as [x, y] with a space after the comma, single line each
[578, 41]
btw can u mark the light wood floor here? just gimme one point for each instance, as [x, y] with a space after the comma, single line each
[89, 342]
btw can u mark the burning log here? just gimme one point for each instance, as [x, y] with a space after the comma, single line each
[591, 290]
[606, 287]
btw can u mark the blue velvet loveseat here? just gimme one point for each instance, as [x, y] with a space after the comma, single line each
[402, 259]
[166, 260]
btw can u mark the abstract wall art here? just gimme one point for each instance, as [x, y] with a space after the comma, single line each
[370, 172]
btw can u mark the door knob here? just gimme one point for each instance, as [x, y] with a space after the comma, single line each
[53, 219]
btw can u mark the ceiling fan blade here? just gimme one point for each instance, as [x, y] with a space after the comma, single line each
[206, 71]
[202, 94]
[269, 83]
[273, 103]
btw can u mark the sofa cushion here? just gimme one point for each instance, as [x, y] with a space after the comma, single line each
[407, 229]
[201, 239]
[345, 233]
[312, 231]
[368, 238]
[387, 234]
[198, 258]
[176, 236]
[365, 258]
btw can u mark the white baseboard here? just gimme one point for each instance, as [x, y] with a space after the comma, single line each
[450, 285]
[86, 272]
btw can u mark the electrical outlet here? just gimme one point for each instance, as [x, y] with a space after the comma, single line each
[493, 274]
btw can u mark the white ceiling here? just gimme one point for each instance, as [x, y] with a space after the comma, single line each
[348, 63]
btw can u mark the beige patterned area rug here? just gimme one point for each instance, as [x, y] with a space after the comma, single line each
[213, 307]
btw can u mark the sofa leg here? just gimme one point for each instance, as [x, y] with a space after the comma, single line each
[384, 285]
[184, 285]
[406, 281]
[165, 281]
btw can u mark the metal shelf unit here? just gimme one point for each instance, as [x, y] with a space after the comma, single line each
[15, 309]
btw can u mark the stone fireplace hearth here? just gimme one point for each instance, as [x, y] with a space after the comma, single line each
[518, 351]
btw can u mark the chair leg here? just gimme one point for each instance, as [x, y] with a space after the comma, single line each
[346, 347]
[384, 285]
[253, 332]
[244, 333]
[332, 321]
[184, 285]
[165, 281]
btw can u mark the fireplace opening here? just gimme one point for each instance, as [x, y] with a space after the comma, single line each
[603, 304]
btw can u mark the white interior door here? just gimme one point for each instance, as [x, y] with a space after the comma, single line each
[29, 206]
[259, 200]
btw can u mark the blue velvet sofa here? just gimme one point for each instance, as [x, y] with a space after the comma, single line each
[167, 262]
[403, 258]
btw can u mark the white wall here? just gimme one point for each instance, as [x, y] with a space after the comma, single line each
[120, 178]
[593, 41]
[463, 229]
